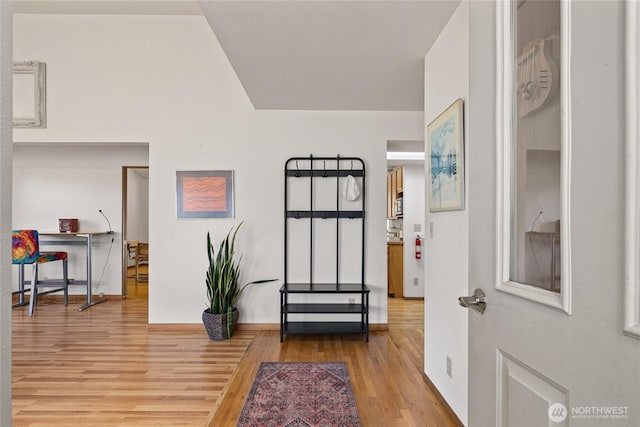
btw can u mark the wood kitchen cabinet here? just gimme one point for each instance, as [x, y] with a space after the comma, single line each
[390, 199]
[394, 192]
[395, 269]
[398, 173]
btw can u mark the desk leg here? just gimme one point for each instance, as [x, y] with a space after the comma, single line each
[90, 302]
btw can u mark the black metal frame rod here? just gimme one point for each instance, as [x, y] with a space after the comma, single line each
[324, 158]
[323, 173]
[337, 221]
[364, 193]
[311, 223]
[286, 242]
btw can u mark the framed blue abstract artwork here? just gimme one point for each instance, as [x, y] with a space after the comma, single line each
[445, 154]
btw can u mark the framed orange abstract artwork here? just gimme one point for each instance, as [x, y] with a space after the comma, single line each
[205, 194]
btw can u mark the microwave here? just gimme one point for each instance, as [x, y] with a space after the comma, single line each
[399, 206]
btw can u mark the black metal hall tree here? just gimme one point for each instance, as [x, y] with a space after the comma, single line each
[299, 298]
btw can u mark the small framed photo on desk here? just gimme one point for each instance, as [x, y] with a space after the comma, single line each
[68, 225]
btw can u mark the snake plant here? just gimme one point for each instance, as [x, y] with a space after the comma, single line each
[223, 289]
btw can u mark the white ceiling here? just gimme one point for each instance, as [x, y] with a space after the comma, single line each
[307, 54]
[329, 55]
[108, 7]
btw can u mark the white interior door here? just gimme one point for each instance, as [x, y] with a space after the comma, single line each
[539, 357]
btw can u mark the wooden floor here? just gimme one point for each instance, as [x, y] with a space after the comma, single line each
[103, 367]
[386, 373]
[135, 289]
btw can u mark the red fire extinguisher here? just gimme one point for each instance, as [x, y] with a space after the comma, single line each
[418, 247]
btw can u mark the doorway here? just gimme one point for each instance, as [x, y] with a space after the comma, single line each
[405, 218]
[135, 232]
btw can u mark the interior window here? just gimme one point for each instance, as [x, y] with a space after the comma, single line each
[536, 151]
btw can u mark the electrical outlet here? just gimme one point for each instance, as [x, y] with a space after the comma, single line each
[431, 230]
[449, 367]
[415, 281]
[417, 228]
[352, 300]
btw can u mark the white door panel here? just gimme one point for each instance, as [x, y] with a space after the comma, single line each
[525, 396]
[525, 356]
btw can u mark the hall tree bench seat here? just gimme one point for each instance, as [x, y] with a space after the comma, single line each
[350, 299]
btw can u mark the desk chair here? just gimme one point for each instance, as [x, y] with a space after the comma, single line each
[142, 258]
[26, 250]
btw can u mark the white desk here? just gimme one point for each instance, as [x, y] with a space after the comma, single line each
[77, 238]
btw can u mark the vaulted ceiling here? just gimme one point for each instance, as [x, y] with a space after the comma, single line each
[329, 55]
[308, 54]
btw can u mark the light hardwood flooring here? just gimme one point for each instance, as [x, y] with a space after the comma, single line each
[386, 373]
[135, 289]
[104, 367]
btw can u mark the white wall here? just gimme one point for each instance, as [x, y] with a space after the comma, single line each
[137, 206]
[446, 260]
[166, 80]
[413, 213]
[52, 181]
[6, 147]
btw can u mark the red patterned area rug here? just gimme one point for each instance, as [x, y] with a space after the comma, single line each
[300, 394]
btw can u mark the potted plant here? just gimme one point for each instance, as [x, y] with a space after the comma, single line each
[223, 289]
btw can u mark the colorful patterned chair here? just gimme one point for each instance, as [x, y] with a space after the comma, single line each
[26, 250]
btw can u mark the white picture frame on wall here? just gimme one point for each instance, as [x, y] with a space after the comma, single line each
[29, 95]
